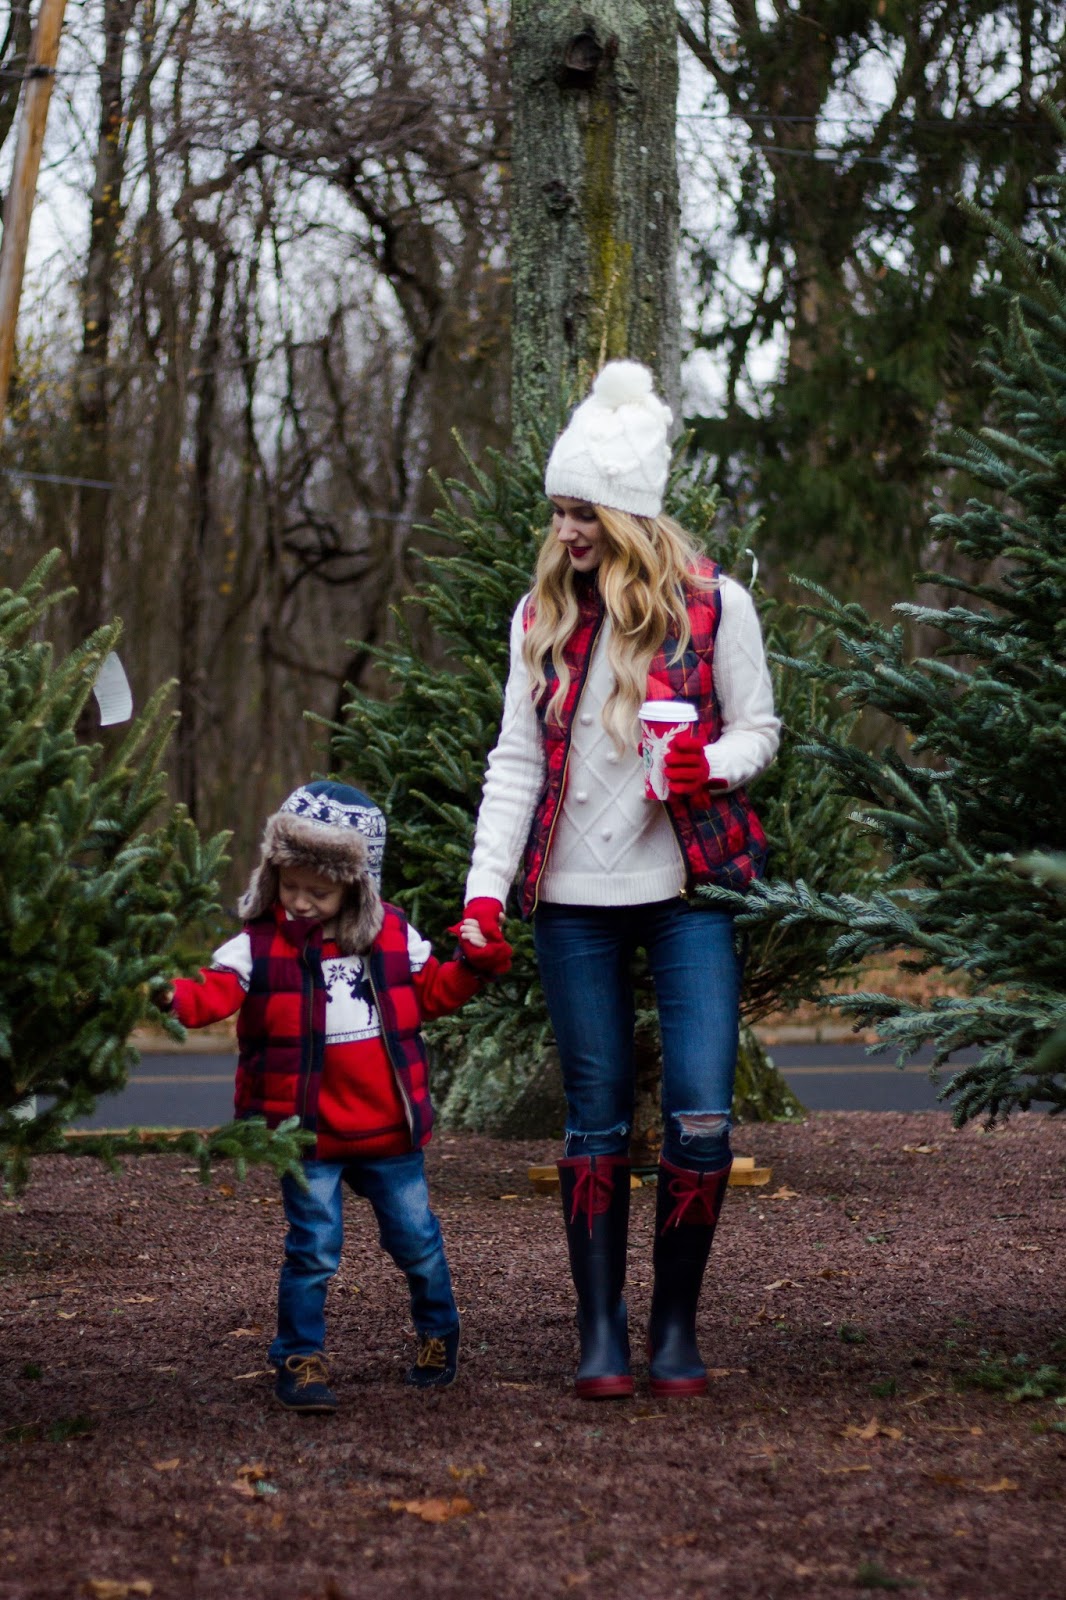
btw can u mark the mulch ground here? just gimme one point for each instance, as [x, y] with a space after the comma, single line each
[889, 1264]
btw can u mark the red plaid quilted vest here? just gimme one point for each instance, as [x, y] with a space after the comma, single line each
[721, 838]
[281, 1028]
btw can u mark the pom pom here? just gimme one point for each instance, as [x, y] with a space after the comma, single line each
[623, 383]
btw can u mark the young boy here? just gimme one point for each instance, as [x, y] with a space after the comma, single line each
[332, 986]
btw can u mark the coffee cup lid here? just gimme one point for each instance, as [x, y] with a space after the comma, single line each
[668, 711]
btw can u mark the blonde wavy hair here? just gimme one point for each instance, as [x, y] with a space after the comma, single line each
[649, 566]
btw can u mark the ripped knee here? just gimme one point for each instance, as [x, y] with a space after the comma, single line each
[695, 1126]
[597, 1141]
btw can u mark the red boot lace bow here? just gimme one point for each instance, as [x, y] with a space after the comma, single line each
[698, 1196]
[592, 1193]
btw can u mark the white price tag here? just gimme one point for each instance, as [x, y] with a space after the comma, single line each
[113, 693]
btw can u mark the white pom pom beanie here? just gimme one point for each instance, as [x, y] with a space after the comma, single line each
[615, 450]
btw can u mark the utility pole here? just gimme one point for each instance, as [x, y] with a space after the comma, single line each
[18, 208]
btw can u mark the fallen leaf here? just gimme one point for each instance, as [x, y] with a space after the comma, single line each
[1030, 1247]
[922, 1149]
[112, 1589]
[833, 1272]
[508, 1197]
[244, 1333]
[649, 1416]
[516, 1386]
[953, 1481]
[865, 1467]
[254, 1469]
[783, 1283]
[167, 1466]
[727, 1372]
[242, 1487]
[260, 1372]
[138, 1300]
[871, 1430]
[436, 1509]
[478, 1470]
[67, 1316]
[574, 1580]
[783, 1194]
[226, 1189]
[678, 1541]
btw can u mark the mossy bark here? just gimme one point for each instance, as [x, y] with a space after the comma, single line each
[760, 1093]
[595, 197]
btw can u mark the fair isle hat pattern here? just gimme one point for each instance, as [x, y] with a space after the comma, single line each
[615, 450]
[338, 805]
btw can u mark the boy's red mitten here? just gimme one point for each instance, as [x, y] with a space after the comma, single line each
[491, 960]
[686, 768]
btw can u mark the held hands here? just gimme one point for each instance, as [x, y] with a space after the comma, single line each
[686, 768]
[481, 942]
[487, 913]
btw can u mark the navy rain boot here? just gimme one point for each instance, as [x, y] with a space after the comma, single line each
[595, 1192]
[687, 1205]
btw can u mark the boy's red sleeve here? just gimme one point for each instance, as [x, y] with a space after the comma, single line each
[215, 994]
[444, 986]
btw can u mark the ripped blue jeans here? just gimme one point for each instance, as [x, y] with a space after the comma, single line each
[585, 954]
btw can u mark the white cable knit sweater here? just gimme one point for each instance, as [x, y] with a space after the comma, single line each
[611, 847]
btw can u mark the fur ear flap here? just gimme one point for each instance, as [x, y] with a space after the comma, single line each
[361, 917]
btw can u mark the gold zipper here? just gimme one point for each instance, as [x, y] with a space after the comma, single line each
[566, 766]
[407, 1108]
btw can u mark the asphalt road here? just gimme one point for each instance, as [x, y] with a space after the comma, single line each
[186, 1090]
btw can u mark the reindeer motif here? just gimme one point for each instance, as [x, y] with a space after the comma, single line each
[655, 746]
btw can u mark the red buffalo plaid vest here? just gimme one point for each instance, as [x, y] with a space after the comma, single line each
[281, 1028]
[721, 838]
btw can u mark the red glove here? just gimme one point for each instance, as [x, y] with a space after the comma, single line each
[487, 913]
[491, 960]
[685, 765]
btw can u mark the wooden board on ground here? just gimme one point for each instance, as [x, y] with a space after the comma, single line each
[744, 1175]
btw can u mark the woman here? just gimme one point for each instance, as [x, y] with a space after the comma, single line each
[624, 609]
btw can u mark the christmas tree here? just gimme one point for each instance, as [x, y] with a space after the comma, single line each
[970, 814]
[422, 754]
[92, 893]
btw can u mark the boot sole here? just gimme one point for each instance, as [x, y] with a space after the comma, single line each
[662, 1388]
[617, 1387]
[305, 1411]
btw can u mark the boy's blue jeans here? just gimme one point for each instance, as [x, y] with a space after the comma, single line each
[585, 955]
[410, 1233]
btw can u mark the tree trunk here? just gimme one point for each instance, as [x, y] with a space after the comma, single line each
[193, 674]
[89, 556]
[760, 1093]
[595, 200]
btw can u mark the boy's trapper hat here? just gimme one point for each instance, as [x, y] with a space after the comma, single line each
[338, 832]
[615, 450]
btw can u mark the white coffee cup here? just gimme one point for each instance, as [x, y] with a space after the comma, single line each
[660, 722]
